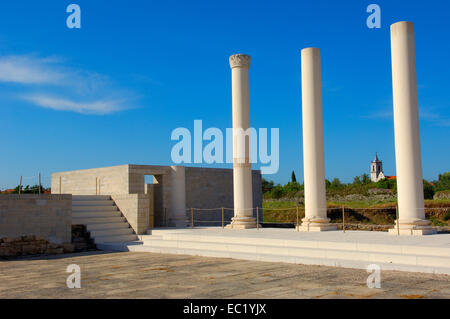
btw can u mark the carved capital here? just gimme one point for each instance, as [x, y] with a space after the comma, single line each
[240, 61]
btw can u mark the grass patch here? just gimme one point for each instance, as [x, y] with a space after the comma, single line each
[357, 212]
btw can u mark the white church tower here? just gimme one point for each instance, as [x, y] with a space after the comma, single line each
[376, 170]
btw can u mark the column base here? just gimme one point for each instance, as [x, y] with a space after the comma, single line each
[416, 227]
[242, 223]
[179, 223]
[316, 225]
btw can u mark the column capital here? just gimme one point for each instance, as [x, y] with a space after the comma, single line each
[240, 61]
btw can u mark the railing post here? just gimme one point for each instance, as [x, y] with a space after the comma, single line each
[223, 223]
[257, 218]
[343, 219]
[39, 184]
[96, 186]
[60, 185]
[396, 217]
[192, 217]
[165, 216]
[296, 208]
[20, 185]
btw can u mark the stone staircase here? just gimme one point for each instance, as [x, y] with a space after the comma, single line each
[102, 218]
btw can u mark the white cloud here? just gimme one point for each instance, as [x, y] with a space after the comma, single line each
[100, 107]
[59, 87]
[29, 70]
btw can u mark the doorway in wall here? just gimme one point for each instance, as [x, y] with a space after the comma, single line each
[153, 187]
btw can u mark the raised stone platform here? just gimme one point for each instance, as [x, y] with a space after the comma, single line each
[352, 249]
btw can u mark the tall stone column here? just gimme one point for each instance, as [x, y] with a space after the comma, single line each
[407, 137]
[178, 197]
[242, 170]
[313, 149]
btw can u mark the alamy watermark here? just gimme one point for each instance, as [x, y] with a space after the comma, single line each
[374, 19]
[74, 19]
[374, 279]
[251, 146]
[74, 279]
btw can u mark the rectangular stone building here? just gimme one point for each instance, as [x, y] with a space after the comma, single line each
[166, 202]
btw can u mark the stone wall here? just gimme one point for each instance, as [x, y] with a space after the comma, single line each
[110, 180]
[30, 245]
[442, 195]
[213, 188]
[46, 216]
[137, 210]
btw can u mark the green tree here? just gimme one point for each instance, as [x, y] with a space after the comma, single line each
[443, 182]
[291, 188]
[28, 189]
[428, 190]
[365, 179]
[336, 183]
[266, 185]
[293, 178]
[356, 180]
[277, 191]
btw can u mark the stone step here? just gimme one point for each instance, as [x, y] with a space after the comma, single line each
[325, 252]
[93, 203]
[355, 264]
[114, 238]
[102, 218]
[330, 257]
[285, 243]
[93, 208]
[111, 232]
[90, 197]
[145, 237]
[107, 226]
[96, 214]
[94, 220]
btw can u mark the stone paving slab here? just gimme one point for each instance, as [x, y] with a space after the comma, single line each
[149, 275]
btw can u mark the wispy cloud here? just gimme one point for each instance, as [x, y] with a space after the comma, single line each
[99, 107]
[29, 70]
[48, 82]
[379, 115]
[426, 114]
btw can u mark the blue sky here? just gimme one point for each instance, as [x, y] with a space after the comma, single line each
[111, 92]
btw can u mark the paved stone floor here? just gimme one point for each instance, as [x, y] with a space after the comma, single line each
[147, 275]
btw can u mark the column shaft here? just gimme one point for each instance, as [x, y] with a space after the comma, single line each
[242, 171]
[313, 148]
[407, 135]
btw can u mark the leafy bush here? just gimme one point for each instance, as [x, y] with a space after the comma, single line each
[277, 192]
[428, 190]
[266, 185]
[446, 216]
[292, 187]
[335, 183]
[387, 184]
[29, 189]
